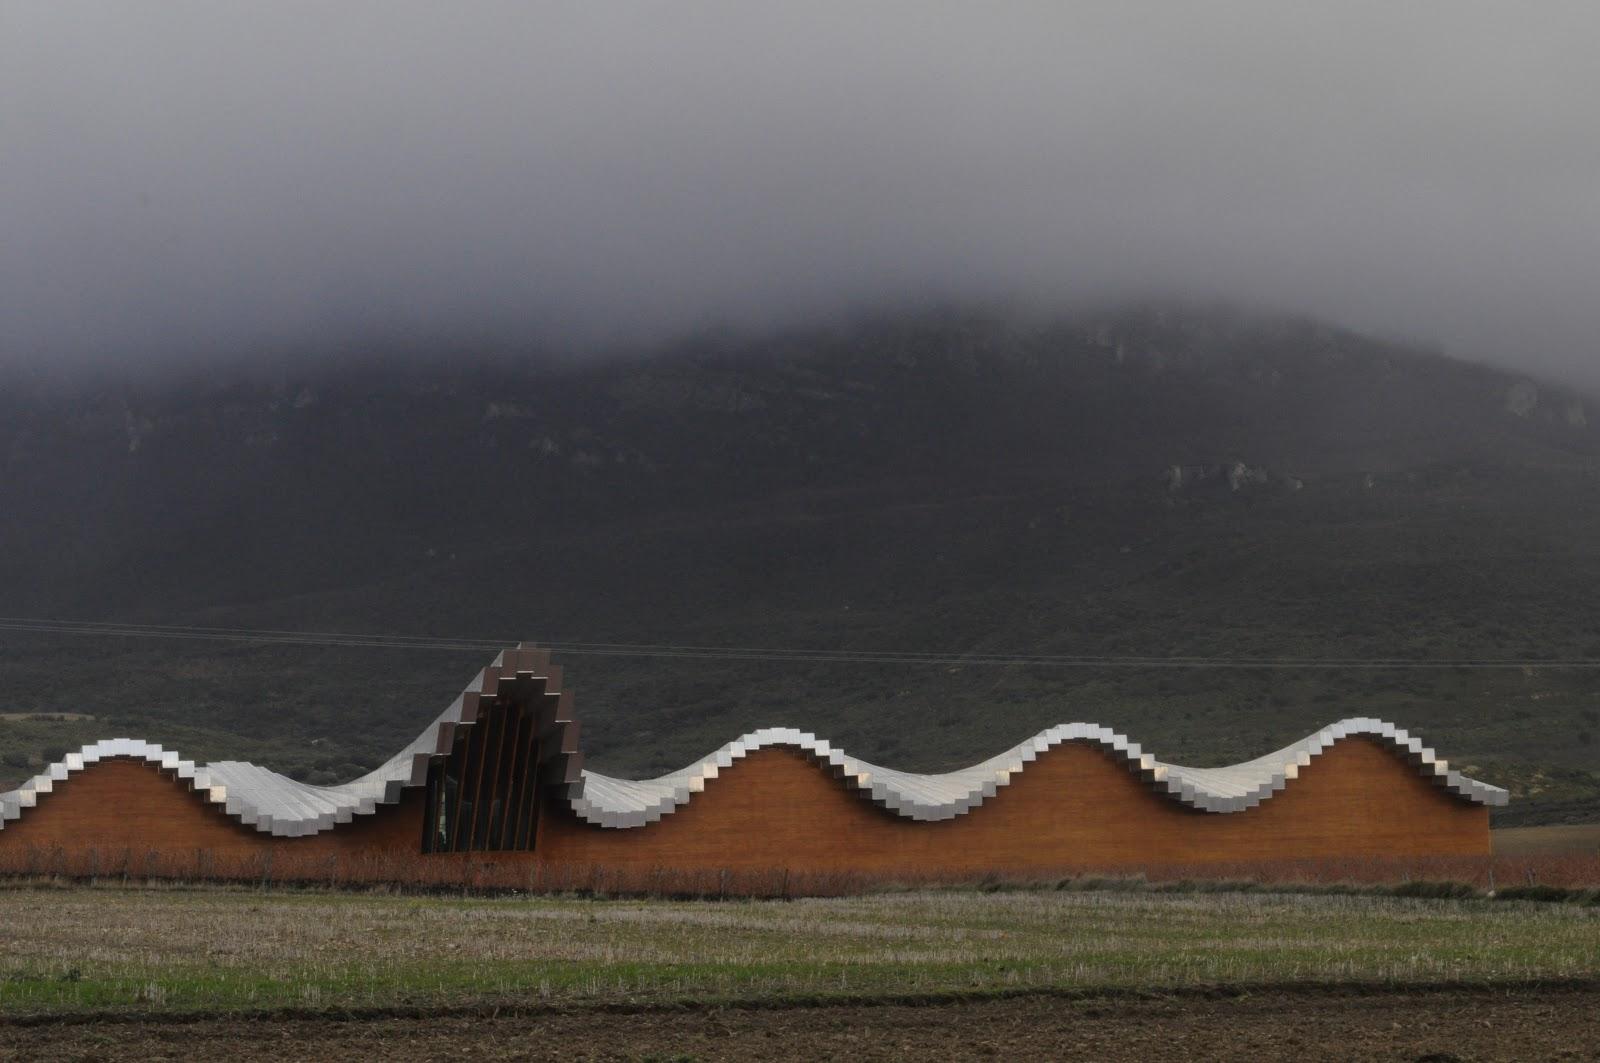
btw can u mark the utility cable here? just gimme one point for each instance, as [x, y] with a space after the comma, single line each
[264, 636]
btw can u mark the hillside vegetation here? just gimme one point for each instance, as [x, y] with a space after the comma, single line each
[1156, 481]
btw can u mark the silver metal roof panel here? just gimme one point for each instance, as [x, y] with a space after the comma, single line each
[606, 802]
[274, 803]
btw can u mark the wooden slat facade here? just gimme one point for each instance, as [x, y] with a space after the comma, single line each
[777, 810]
[496, 788]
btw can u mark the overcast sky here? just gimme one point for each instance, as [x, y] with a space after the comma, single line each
[211, 179]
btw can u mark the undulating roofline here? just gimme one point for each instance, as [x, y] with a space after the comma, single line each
[609, 802]
[277, 805]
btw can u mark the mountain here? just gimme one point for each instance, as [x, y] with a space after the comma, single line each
[1155, 480]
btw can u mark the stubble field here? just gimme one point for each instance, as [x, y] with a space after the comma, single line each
[110, 971]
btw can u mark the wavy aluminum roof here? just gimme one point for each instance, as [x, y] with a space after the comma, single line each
[621, 803]
[286, 808]
[281, 806]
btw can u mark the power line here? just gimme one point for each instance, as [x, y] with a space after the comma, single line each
[266, 636]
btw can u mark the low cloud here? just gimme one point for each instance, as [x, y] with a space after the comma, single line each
[211, 180]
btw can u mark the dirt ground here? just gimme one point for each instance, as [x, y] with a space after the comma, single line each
[1439, 1025]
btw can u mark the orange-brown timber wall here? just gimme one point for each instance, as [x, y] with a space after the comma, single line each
[1073, 807]
[775, 810]
[121, 815]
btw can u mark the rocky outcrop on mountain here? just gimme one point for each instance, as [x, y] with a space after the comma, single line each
[1234, 476]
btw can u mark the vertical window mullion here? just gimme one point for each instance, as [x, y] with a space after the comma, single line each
[512, 805]
[471, 761]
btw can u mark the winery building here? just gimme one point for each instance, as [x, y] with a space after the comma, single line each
[494, 791]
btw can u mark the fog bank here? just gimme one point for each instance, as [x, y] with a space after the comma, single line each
[202, 180]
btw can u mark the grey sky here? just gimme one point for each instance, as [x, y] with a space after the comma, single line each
[212, 178]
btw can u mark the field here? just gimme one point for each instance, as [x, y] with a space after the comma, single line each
[1575, 839]
[110, 970]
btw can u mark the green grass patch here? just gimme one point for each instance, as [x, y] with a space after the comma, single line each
[74, 951]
